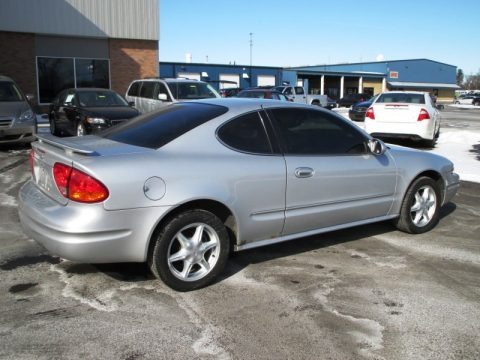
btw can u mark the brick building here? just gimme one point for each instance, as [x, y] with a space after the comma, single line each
[49, 45]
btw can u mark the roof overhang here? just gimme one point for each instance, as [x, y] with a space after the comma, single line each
[404, 84]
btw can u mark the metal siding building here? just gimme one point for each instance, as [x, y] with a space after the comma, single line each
[50, 45]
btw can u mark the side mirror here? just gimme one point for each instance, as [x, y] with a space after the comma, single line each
[30, 97]
[440, 107]
[162, 96]
[377, 147]
[131, 103]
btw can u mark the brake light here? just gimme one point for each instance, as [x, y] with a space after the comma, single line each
[78, 186]
[424, 115]
[370, 114]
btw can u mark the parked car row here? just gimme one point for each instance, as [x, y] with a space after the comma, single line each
[468, 99]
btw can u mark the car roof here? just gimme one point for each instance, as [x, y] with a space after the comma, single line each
[89, 89]
[245, 104]
[404, 92]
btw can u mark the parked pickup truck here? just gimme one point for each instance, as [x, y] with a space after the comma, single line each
[298, 94]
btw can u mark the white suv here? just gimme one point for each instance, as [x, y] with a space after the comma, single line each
[150, 94]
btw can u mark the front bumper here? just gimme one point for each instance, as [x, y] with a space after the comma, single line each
[17, 134]
[452, 184]
[87, 232]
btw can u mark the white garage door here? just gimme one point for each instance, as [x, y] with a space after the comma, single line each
[228, 81]
[191, 76]
[265, 80]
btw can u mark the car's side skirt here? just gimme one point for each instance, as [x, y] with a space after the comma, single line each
[310, 233]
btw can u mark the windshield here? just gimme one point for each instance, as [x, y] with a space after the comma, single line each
[192, 90]
[99, 98]
[9, 92]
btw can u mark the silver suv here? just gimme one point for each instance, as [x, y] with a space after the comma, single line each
[17, 120]
[150, 94]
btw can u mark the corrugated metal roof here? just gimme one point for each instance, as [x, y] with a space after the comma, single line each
[423, 85]
[124, 19]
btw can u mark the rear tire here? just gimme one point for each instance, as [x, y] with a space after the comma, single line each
[421, 207]
[190, 251]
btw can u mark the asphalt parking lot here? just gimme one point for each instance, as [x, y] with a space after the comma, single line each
[369, 292]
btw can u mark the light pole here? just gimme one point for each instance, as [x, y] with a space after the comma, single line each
[251, 47]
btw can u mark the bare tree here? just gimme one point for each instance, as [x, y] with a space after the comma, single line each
[460, 77]
[472, 82]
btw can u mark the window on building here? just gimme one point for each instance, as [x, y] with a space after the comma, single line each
[92, 73]
[57, 74]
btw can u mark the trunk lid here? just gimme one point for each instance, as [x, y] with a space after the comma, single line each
[50, 149]
[397, 112]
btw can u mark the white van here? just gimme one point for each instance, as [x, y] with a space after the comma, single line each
[151, 94]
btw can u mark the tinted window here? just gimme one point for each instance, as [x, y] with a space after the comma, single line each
[133, 90]
[147, 90]
[311, 132]
[155, 129]
[246, 133]
[54, 75]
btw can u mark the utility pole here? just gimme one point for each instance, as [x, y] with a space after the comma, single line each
[251, 47]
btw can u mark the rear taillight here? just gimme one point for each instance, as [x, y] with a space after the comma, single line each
[78, 186]
[370, 114]
[423, 115]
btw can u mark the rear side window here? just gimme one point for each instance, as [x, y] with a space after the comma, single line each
[154, 130]
[405, 98]
[246, 133]
[133, 90]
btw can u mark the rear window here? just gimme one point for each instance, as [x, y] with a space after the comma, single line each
[155, 129]
[402, 98]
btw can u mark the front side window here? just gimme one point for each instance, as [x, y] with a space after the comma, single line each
[315, 132]
[299, 90]
[246, 133]
[147, 90]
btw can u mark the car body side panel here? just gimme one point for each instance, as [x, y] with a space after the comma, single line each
[342, 189]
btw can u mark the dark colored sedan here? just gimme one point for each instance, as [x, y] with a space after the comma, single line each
[358, 110]
[85, 111]
[262, 94]
[350, 99]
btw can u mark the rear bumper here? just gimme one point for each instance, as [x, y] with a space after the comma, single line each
[421, 130]
[17, 134]
[87, 232]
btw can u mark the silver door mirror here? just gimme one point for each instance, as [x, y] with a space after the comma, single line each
[162, 96]
[377, 147]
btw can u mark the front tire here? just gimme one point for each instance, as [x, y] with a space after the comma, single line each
[421, 207]
[190, 251]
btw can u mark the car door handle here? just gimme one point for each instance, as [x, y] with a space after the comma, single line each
[304, 172]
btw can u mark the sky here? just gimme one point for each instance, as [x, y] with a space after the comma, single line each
[316, 32]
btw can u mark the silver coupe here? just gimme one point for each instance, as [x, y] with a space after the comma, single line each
[182, 187]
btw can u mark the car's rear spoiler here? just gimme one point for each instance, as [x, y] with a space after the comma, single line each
[69, 146]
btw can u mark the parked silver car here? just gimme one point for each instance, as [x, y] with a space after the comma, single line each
[181, 187]
[18, 122]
